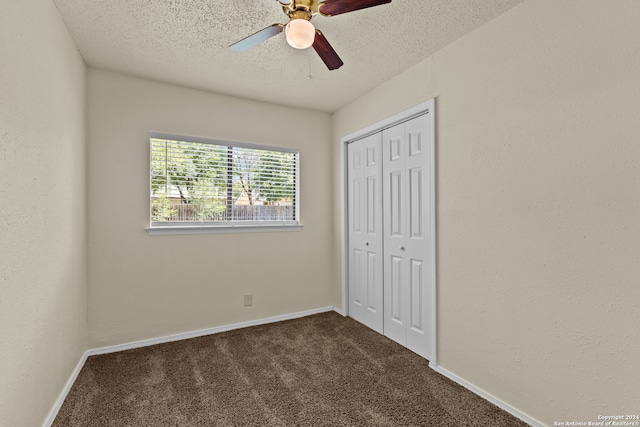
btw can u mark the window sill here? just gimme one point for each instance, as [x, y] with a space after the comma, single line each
[214, 229]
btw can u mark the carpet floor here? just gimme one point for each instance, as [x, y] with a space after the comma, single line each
[321, 370]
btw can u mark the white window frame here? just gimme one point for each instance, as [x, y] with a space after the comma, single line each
[205, 227]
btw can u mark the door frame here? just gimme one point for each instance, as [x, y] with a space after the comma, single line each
[418, 110]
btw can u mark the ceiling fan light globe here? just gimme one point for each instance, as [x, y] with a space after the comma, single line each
[300, 33]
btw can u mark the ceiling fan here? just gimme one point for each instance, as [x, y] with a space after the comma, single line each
[301, 33]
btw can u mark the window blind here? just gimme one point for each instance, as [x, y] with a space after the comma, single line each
[213, 182]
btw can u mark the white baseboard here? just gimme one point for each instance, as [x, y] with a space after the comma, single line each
[487, 396]
[203, 332]
[65, 390]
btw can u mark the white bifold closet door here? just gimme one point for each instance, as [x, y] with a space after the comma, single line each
[365, 231]
[390, 277]
[406, 195]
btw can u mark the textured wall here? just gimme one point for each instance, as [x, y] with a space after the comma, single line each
[537, 124]
[143, 286]
[42, 213]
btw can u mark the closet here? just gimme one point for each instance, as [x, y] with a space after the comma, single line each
[390, 241]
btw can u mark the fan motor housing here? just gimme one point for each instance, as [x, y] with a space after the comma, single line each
[297, 9]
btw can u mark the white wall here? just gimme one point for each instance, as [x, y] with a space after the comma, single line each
[42, 212]
[537, 124]
[143, 286]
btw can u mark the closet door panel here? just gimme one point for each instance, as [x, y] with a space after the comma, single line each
[365, 231]
[417, 136]
[355, 244]
[396, 295]
[372, 206]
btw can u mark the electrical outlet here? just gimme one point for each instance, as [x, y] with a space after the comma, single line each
[248, 300]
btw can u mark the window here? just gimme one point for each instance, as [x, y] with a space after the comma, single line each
[197, 182]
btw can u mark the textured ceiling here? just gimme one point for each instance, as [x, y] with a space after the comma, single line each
[186, 42]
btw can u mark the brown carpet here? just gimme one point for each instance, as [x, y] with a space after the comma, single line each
[321, 370]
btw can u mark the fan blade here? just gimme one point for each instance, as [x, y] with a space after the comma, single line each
[337, 7]
[257, 38]
[326, 52]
